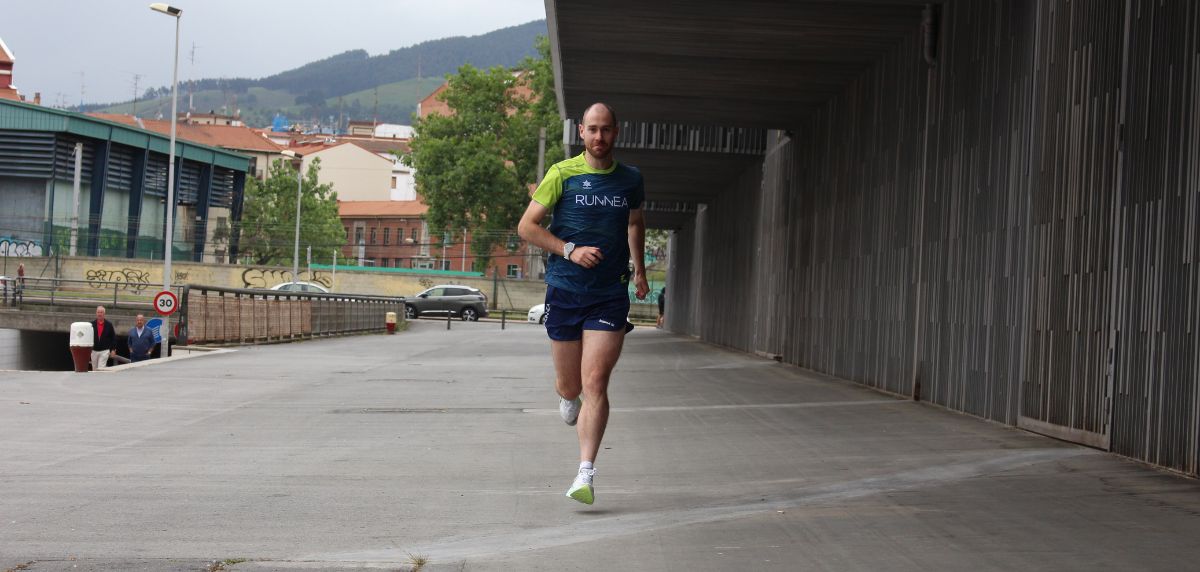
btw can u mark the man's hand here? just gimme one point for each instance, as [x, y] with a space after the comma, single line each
[588, 257]
[643, 288]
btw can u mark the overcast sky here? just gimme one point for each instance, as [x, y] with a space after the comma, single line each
[111, 40]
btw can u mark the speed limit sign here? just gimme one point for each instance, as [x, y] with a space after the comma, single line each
[165, 303]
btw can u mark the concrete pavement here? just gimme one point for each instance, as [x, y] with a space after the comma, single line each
[375, 451]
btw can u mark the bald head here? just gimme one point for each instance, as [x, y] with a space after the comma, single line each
[601, 108]
[598, 130]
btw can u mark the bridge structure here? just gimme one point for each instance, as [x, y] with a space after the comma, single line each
[207, 314]
[990, 206]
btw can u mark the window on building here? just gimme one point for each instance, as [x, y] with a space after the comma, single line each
[372, 236]
[514, 271]
[414, 234]
[385, 263]
[394, 182]
[445, 265]
[424, 264]
[387, 233]
[358, 235]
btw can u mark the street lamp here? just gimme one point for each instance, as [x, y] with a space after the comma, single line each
[299, 187]
[170, 230]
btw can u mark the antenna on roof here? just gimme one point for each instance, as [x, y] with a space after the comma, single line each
[192, 79]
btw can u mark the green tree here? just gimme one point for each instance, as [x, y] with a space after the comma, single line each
[269, 217]
[475, 168]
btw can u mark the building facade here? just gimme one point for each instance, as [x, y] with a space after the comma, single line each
[120, 209]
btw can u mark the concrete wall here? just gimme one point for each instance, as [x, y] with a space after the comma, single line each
[1011, 233]
[146, 276]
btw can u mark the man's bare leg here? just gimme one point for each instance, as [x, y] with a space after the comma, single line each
[567, 357]
[600, 353]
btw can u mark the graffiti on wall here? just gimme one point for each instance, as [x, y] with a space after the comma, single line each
[10, 246]
[426, 283]
[268, 277]
[128, 279]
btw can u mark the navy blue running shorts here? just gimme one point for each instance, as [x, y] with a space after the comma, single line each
[568, 314]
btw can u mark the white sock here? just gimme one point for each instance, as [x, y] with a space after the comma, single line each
[585, 465]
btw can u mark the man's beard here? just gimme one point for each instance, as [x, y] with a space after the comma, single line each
[607, 152]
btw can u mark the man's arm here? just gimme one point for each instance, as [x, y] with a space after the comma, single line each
[531, 229]
[637, 250]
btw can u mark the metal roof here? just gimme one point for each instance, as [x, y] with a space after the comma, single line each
[22, 116]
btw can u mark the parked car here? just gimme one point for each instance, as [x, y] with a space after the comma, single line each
[462, 301]
[301, 287]
[537, 314]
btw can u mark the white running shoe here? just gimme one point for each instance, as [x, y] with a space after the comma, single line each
[569, 410]
[581, 490]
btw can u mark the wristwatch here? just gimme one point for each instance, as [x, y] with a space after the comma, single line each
[567, 249]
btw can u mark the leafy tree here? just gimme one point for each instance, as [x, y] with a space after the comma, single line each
[475, 168]
[269, 217]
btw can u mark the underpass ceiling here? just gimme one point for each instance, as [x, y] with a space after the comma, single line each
[755, 63]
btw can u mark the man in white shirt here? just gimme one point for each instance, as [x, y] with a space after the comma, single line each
[140, 340]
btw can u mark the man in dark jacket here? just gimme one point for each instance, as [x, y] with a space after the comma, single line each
[141, 340]
[105, 338]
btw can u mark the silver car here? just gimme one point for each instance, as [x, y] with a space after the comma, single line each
[301, 287]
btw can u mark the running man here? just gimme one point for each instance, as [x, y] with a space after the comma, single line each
[597, 206]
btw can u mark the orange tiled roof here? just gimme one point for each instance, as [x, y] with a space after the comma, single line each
[238, 138]
[381, 208]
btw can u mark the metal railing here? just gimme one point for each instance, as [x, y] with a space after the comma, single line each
[214, 314]
[61, 291]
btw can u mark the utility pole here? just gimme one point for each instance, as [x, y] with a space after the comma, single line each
[136, 78]
[75, 197]
[464, 260]
[533, 259]
[375, 113]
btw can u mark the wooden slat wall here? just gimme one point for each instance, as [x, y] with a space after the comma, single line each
[1155, 409]
[960, 227]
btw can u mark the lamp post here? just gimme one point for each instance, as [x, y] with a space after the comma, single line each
[299, 188]
[169, 235]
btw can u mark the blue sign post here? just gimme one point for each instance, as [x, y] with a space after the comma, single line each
[155, 325]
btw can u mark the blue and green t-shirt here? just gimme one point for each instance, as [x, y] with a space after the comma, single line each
[591, 208]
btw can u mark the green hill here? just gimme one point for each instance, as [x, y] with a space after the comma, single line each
[345, 85]
[397, 99]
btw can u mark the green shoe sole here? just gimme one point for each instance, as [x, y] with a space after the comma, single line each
[582, 494]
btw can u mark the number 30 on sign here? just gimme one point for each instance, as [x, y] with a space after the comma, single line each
[165, 303]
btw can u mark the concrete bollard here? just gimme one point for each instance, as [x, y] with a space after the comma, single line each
[81, 345]
[391, 322]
